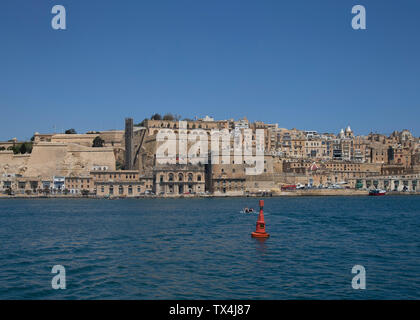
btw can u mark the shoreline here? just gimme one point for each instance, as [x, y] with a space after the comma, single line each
[297, 193]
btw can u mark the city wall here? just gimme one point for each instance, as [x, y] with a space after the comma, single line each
[57, 159]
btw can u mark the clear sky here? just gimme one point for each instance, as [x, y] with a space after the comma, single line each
[297, 63]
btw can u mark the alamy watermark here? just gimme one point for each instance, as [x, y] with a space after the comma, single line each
[358, 22]
[198, 146]
[59, 280]
[359, 280]
[58, 22]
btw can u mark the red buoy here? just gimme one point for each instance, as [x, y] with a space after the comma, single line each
[260, 229]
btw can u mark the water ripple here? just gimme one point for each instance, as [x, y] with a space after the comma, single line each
[202, 249]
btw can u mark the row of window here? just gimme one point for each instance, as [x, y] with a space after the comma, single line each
[120, 189]
[119, 175]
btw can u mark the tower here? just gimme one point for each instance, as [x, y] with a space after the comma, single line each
[128, 157]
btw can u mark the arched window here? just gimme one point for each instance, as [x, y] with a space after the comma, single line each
[120, 189]
[171, 177]
[180, 177]
[199, 177]
[190, 177]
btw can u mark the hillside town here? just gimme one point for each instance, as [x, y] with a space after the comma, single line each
[123, 163]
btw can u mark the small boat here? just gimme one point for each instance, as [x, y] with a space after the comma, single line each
[377, 192]
[248, 210]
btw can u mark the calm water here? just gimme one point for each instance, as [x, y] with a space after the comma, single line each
[201, 248]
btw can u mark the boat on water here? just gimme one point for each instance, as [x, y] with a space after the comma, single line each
[248, 210]
[377, 192]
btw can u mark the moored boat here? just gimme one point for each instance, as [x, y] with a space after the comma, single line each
[377, 192]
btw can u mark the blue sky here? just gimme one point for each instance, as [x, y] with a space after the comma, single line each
[297, 63]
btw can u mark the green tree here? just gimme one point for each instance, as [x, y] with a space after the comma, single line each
[22, 148]
[141, 124]
[70, 131]
[16, 148]
[2, 148]
[98, 142]
[29, 146]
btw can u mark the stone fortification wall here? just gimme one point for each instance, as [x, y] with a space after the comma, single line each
[57, 159]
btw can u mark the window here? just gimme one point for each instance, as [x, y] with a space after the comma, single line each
[199, 177]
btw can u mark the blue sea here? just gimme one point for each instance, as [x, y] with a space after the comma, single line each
[202, 248]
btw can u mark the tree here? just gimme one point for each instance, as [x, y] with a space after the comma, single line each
[2, 148]
[156, 116]
[169, 117]
[29, 146]
[141, 124]
[70, 131]
[16, 148]
[22, 148]
[85, 192]
[98, 142]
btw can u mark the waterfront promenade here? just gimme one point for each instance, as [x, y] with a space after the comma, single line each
[295, 193]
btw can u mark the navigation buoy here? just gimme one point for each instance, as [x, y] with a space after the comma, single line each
[260, 229]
